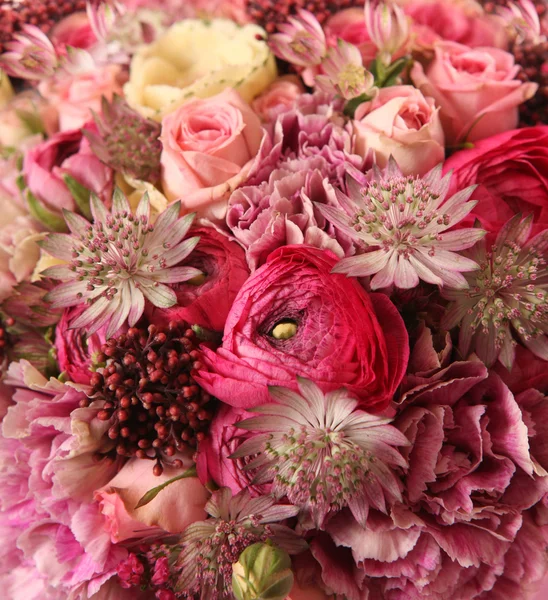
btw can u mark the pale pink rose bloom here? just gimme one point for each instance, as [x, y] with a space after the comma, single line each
[209, 147]
[278, 97]
[402, 123]
[174, 508]
[76, 95]
[476, 89]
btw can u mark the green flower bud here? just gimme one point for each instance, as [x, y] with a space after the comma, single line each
[263, 572]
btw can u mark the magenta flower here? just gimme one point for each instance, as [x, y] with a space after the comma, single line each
[507, 297]
[322, 453]
[119, 260]
[300, 41]
[403, 221]
[387, 26]
[345, 74]
[30, 55]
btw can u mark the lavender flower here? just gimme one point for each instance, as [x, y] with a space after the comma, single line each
[119, 260]
[404, 221]
[30, 55]
[323, 454]
[301, 40]
[507, 296]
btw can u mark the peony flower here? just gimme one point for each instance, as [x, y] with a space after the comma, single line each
[411, 242]
[282, 211]
[294, 317]
[279, 97]
[510, 170]
[206, 300]
[209, 147]
[114, 284]
[300, 41]
[476, 89]
[77, 95]
[199, 59]
[30, 55]
[64, 154]
[507, 297]
[402, 123]
[322, 454]
[173, 509]
[345, 74]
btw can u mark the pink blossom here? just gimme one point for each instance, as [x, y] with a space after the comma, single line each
[387, 27]
[278, 97]
[349, 25]
[30, 55]
[75, 31]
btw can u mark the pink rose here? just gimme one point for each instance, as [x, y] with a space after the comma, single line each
[293, 316]
[511, 171]
[402, 123]
[75, 31]
[65, 153]
[174, 508]
[476, 89]
[209, 146]
[455, 21]
[207, 303]
[76, 95]
[278, 97]
[349, 25]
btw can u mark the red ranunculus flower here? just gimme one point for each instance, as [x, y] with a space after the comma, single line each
[294, 317]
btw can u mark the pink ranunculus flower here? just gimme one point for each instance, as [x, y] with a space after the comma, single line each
[209, 146]
[207, 302]
[76, 95]
[278, 97]
[511, 172]
[173, 509]
[349, 25]
[461, 21]
[476, 89]
[293, 316]
[402, 123]
[65, 153]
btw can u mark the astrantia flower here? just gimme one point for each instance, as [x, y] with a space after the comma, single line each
[507, 297]
[300, 41]
[404, 222]
[323, 454]
[345, 74]
[119, 260]
[387, 27]
[30, 55]
[201, 558]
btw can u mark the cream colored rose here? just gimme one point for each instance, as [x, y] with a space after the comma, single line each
[199, 59]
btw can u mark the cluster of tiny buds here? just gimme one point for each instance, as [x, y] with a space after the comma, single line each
[156, 407]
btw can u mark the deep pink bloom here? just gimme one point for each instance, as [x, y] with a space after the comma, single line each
[66, 153]
[75, 31]
[294, 317]
[206, 300]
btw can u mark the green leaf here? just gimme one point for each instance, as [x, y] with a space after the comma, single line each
[151, 494]
[80, 193]
[32, 121]
[352, 105]
[394, 71]
[52, 221]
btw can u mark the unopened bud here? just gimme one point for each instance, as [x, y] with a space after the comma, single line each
[263, 572]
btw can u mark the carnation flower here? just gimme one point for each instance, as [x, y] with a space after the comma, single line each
[119, 260]
[507, 297]
[323, 454]
[404, 221]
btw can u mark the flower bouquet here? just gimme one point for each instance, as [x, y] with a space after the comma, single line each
[273, 300]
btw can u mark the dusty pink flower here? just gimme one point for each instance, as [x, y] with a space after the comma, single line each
[173, 509]
[402, 123]
[294, 317]
[524, 19]
[206, 300]
[388, 28]
[476, 89]
[209, 146]
[119, 269]
[65, 153]
[278, 97]
[30, 55]
[349, 25]
[403, 222]
[282, 211]
[76, 95]
[300, 41]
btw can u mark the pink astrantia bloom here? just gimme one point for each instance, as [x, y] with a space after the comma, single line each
[507, 297]
[300, 41]
[322, 453]
[404, 221]
[345, 74]
[30, 55]
[524, 19]
[119, 260]
[387, 27]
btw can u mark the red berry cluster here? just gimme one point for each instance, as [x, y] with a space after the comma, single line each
[155, 407]
[41, 13]
[533, 59]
